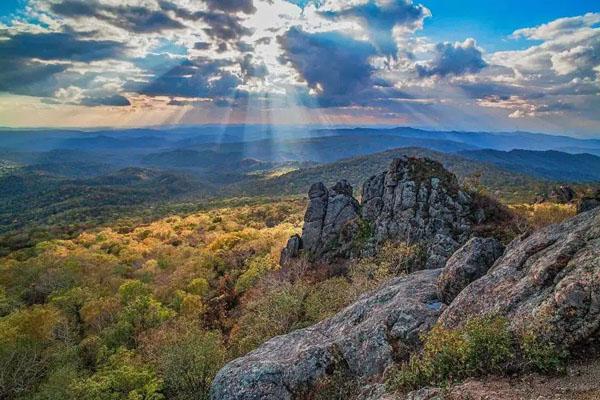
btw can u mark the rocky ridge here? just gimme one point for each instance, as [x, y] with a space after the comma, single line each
[415, 201]
[547, 280]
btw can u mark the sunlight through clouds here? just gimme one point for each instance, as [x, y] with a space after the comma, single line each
[252, 61]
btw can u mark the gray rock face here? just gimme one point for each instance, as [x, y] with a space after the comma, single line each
[361, 341]
[549, 280]
[418, 201]
[469, 263]
[589, 202]
[291, 250]
[329, 221]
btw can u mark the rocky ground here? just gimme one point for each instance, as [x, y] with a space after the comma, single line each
[581, 382]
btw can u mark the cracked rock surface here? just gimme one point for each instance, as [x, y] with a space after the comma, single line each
[548, 281]
[418, 201]
[468, 264]
[362, 340]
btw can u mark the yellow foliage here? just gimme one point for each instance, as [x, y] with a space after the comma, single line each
[543, 214]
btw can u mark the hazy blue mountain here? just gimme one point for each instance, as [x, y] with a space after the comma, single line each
[328, 148]
[356, 170]
[543, 164]
[488, 140]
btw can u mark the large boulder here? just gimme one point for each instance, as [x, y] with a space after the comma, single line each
[418, 201]
[360, 342]
[588, 203]
[548, 281]
[469, 263]
[330, 221]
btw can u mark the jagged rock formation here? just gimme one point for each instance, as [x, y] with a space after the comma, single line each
[361, 341]
[415, 201]
[588, 203]
[468, 264]
[418, 201]
[548, 281]
[291, 250]
[330, 221]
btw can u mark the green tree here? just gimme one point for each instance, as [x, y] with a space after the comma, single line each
[122, 377]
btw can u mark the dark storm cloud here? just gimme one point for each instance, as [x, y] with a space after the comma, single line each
[336, 65]
[245, 6]
[198, 78]
[131, 18]
[58, 46]
[114, 101]
[381, 18]
[223, 26]
[29, 78]
[453, 59]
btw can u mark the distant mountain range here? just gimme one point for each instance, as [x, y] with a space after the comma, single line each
[550, 164]
[68, 178]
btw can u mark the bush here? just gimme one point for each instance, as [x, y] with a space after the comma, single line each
[327, 298]
[484, 345]
[542, 355]
[339, 385]
[276, 312]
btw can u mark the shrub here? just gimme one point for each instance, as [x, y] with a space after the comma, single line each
[339, 385]
[542, 355]
[484, 345]
[276, 312]
[198, 286]
[327, 298]
[256, 268]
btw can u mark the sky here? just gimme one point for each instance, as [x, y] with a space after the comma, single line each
[463, 64]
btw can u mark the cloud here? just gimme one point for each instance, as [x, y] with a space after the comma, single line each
[250, 69]
[222, 24]
[335, 66]
[199, 78]
[570, 47]
[245, 6]
[113, 101]
[29, 78]
[58, 46]
[136, 19]
[380, 17]
[453, 59]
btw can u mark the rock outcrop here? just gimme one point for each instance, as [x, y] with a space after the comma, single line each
[360, 341]
[588, 203]
[468, 264]
[330, 221]
[415, 201]
[418, 201]
[548, 281]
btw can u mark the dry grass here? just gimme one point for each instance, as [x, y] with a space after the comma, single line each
[544, 214]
